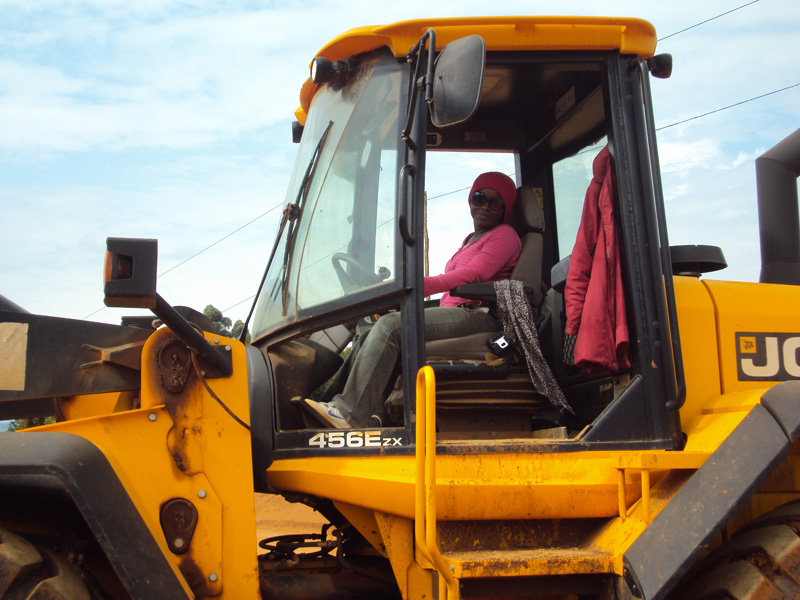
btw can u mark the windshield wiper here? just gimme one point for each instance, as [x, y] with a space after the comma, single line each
[291, 213]
[296, 210]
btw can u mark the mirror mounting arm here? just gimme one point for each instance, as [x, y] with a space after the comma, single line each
[216, 357]
[425, 82]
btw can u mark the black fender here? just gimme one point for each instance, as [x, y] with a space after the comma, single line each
[68, 461]
[261, 393]
[677, 536]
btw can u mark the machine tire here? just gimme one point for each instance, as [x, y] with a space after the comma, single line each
[31, 573]
[760, 562]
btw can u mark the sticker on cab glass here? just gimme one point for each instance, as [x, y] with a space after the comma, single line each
[768, 356]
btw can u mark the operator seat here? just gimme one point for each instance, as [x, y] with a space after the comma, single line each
[479, 399]
[528, 221]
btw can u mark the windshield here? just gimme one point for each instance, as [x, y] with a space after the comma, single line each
[343, 239]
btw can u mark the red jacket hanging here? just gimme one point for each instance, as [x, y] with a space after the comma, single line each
[595, 300]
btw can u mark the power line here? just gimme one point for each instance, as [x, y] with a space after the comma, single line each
[706, 21]
[466, 188]
[729, 106]
[238, 303]
[94, 313]
[583, 151]
[219, 240]
[789, 87]
[196, 254]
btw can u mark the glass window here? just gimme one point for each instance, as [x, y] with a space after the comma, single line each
[448, 179]
[343, 237]
[571, 177]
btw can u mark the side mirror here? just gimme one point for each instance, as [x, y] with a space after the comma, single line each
[458, 78]
[130, 273]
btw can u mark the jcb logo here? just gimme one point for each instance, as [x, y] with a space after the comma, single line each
[768, 356]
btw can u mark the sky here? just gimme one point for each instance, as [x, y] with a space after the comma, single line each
[171, 119]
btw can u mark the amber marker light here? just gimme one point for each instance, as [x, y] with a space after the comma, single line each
[117, 266]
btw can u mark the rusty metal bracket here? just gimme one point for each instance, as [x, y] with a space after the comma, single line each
[178, 521]
[126, 355]
[173, 361]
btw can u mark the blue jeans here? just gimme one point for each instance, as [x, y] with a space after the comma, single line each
[362, 395]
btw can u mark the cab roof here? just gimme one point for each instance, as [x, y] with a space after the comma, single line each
[628, 35]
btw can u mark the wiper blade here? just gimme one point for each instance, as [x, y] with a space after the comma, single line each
[291, 212]
[296, 210]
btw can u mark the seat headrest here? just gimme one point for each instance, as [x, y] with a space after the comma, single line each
[528, 214]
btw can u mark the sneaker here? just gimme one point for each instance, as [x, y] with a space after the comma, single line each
[329, 414]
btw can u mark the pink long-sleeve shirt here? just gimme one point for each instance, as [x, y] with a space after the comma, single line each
[490, 258]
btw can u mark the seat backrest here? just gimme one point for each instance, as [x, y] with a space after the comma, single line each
[528, 221]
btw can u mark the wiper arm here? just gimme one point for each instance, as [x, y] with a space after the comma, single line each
[291, 212]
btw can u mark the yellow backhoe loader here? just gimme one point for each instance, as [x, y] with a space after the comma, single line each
[669, 474]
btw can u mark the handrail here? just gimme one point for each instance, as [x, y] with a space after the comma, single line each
[425, 490]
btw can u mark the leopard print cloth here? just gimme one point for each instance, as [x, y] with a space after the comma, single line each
[515, 315]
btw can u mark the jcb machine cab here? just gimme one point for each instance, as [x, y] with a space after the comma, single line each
[472, 479]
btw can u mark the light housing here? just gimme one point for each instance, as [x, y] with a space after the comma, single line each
[130, 272]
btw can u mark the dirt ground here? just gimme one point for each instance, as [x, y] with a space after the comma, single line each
[276, 516]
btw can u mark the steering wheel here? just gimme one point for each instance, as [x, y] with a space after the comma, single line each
[348, 285]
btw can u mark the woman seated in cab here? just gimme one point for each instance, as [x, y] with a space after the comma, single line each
[487, 254]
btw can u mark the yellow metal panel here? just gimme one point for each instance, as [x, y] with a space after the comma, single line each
[422, 583]
[662, 460]
[80, 407]
[618, 534]
[707, 432]
[528, 486]
[364, 520]
[532, 562]
[133, 443]
[630, 36]
[468, 486]
[601, 551]
[203, 456]
[760, 309]
[698, 334]
[734, 402]
[397, 535]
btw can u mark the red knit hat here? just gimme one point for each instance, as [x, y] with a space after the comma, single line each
[500, 183]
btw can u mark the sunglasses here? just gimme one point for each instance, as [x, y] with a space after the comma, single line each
[493, 203]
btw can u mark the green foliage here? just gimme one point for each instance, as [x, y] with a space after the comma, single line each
[223, 324]
[19, 424]
[236, 330]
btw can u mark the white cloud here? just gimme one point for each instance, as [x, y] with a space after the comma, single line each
[170, 119]
[177, 83]
[683, 157]
[747, 157]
